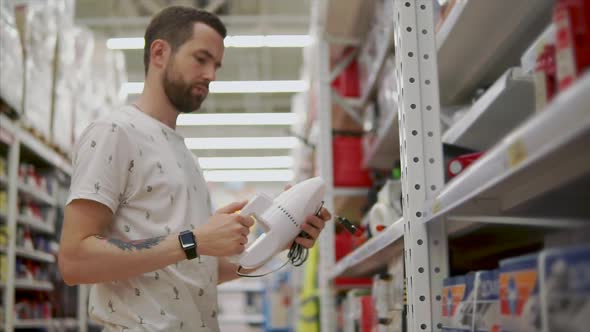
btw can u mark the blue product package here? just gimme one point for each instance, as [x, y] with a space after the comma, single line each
[487, 302]
[457, 303]
[519, 294]
[565, 289]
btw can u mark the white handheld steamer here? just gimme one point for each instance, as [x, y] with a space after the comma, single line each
[280, 219]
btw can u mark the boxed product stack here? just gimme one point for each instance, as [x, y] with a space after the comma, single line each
[470, 303]
[11, 62]
[86, 103]
[38, 28]
[64, 83]
[457, 303]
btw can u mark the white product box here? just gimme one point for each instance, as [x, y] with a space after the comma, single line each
[486, 302]
[457, 303]
[565, 289]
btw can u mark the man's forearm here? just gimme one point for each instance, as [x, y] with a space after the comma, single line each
[97, 259]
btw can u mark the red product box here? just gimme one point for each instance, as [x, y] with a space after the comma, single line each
[459, 164]
[347, 156]
[347, 83]
[572, 38]
[545, 76]
[368, 315]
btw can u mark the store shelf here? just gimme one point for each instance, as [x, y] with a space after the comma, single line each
[35, 145]
[241, 319]
[36, 224]
[32, 254]
[384, 151]
[241, 286]
[36, 194]
[346, 191]
[373, 255]
[516, 25]
[504, 106]
[458, 226]
[58, 323]
[26, 284]
[375, 71]
[539, 170]
[3, 181]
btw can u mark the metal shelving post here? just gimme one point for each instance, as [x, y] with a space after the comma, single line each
[324, 106]
[9, 290]
[421, 160]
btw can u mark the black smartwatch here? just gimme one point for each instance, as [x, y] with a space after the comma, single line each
[188, 243]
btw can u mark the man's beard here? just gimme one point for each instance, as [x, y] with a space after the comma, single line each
[180, 93]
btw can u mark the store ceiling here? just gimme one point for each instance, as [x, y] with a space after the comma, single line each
[129, 18]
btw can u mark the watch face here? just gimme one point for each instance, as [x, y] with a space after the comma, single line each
[187, 240]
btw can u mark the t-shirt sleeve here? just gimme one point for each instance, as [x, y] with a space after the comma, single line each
[102, 164]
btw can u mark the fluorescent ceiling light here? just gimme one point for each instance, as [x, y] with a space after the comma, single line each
[132, 88]
[239, 143]
[268, 41]
[292, 86]
[229, 41]
[237, 119]
[126, 43]
[249, 176]
[257, 86]
[245, 162]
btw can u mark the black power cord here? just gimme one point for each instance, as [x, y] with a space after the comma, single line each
[297, 253]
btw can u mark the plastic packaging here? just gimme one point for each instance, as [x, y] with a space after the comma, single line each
[40, 35]
[11, 62]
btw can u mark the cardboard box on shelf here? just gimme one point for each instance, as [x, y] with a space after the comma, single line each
[519, 294]
[457, 303]
[486, 302]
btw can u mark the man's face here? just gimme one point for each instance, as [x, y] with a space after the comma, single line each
[192, 67]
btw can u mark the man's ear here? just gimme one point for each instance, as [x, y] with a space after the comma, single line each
[159, 53]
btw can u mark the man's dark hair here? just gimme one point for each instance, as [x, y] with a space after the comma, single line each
[175, 25]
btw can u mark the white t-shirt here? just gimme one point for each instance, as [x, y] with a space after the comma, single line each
[142, 170]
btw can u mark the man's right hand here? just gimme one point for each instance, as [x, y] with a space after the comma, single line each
[226, 233]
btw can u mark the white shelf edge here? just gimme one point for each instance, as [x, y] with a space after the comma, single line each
[240, 286]
[36, 255]
[568, 110]
[36, 194]
[35, 145]
[511, 79]
[237, 319]
[350, 191]
[370, 248]
[51, 322]
[33, 285]
[520, 221]
[36, 224]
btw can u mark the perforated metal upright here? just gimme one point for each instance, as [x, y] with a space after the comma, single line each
[425, 247]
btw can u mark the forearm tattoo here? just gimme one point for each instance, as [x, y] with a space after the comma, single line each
[133, 245]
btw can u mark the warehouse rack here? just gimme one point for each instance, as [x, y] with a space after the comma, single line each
[18, 139]
[533, 176]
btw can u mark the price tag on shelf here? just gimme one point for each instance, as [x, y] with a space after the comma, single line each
[436, 207]
[517, 153]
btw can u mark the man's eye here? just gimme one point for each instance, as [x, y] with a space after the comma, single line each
[201, 60]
